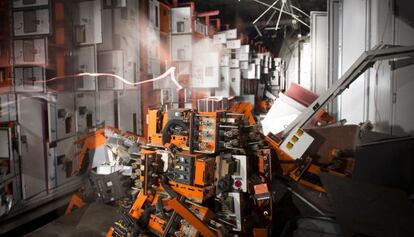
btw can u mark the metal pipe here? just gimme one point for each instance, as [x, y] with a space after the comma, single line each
[268, 8]
[271, 17]
[290, 14]
[299, 10]
[280, 15]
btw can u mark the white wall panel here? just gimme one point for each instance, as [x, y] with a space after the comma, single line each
[354, 44]
[319, 45]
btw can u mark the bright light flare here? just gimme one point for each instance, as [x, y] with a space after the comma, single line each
[170, 72]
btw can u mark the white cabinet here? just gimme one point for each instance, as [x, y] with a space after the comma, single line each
[29, 52]
[29, 79]
[61, 109]
[205, 71]
[235, 82]
[88, 27]
[181, 47]
[111, 62]
[85, 112]
[31, 22]
[154, 14]
[181, 18]
[7, 107]
[32, 3]
[84, 61]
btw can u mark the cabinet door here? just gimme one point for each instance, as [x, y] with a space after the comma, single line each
[31, 119]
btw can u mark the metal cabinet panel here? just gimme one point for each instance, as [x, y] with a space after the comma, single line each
[224, 84]
[233, 44]
[235, 82]
[219, 38]
[29, 79]
[31, 22]
[319, 45]
[61, 109]
[153, 41]
[106, 108]
[111, 62]
[154, 70]
[181, 47]
[403, 85]
[88, 28]
[62, 162]
[234, 63]
[251, 72]
[7, 107]
[154, 14]
[181, 20]
[205, 71]
[85, 112]
[84, 61]
[31, 120]
[107, 31]
[33, 3]
[29, 52]
[129, 111]
[231, 34]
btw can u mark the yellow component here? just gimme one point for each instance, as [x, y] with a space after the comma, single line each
[299, 132]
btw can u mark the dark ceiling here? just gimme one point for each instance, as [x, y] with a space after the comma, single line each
[241, 14]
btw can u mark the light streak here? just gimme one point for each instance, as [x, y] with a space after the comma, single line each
[170, 72]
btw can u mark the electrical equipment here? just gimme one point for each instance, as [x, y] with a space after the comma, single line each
[204, 132]
[31, 22]
[85, 112]
[204, 171]
[110, 62]
[181, 20]
[224, 85]
[219, 38]
[61, 109]
[33, 155]
[129, 111]
[84, 61]
[205, 71]
[29, 79]
[297, 143]
[106, 108]
[234, 63]
[32, 3]
[29, 52]
[240, 176]
[233, 44]
[200, 28]
[235, 82]
[244, 65]
[88, 25]
[146, 169]
[61, 162]
[183, 168]
[181, 47]
[154, 14]
[7, 107]
[250, 73]
[153, 41]
[230, 209]
[224, 61]
[107, 31]
[231, 34]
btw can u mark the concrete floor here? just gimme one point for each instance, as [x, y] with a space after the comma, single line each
[93, 220]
